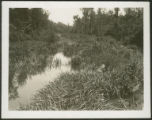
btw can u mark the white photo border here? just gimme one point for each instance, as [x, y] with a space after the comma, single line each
[145, 113]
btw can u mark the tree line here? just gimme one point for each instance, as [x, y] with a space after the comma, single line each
[32, 24]
[127, 27]
[26, 20]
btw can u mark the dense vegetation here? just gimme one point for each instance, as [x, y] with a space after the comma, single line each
[32, 39]
[97, 39]
[118, 86]
[127, 28]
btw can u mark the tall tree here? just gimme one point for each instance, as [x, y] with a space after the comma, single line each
[127, 28]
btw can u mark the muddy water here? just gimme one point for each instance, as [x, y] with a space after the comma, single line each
[60, 64]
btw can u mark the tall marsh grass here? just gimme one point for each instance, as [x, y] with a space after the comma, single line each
[90, 91]
[118, 87]
[28, 53]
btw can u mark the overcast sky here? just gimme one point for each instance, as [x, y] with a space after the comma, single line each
[65, 15]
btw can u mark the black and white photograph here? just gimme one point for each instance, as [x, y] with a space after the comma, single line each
[75, 56]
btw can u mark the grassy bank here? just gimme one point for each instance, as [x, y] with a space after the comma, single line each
[29, 56]
[118, 86]
[87, 91]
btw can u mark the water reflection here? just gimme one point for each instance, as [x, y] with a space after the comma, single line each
[21, 69]
[59, 64]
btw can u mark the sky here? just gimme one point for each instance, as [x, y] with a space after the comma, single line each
[65, 15]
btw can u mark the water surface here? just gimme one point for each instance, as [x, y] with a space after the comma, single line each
[34, 83]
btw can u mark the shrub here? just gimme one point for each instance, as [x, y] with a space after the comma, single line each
[69, 50]
[76, 62]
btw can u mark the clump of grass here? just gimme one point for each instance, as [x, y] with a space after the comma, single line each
[69, 50]
[89, 91]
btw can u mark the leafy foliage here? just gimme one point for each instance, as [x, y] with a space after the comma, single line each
[32, 38]
[127, 28]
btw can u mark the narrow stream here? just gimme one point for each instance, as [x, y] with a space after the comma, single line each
[60, 64]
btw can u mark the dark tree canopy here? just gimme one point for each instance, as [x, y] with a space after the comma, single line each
[127, 28]
[36, 18]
